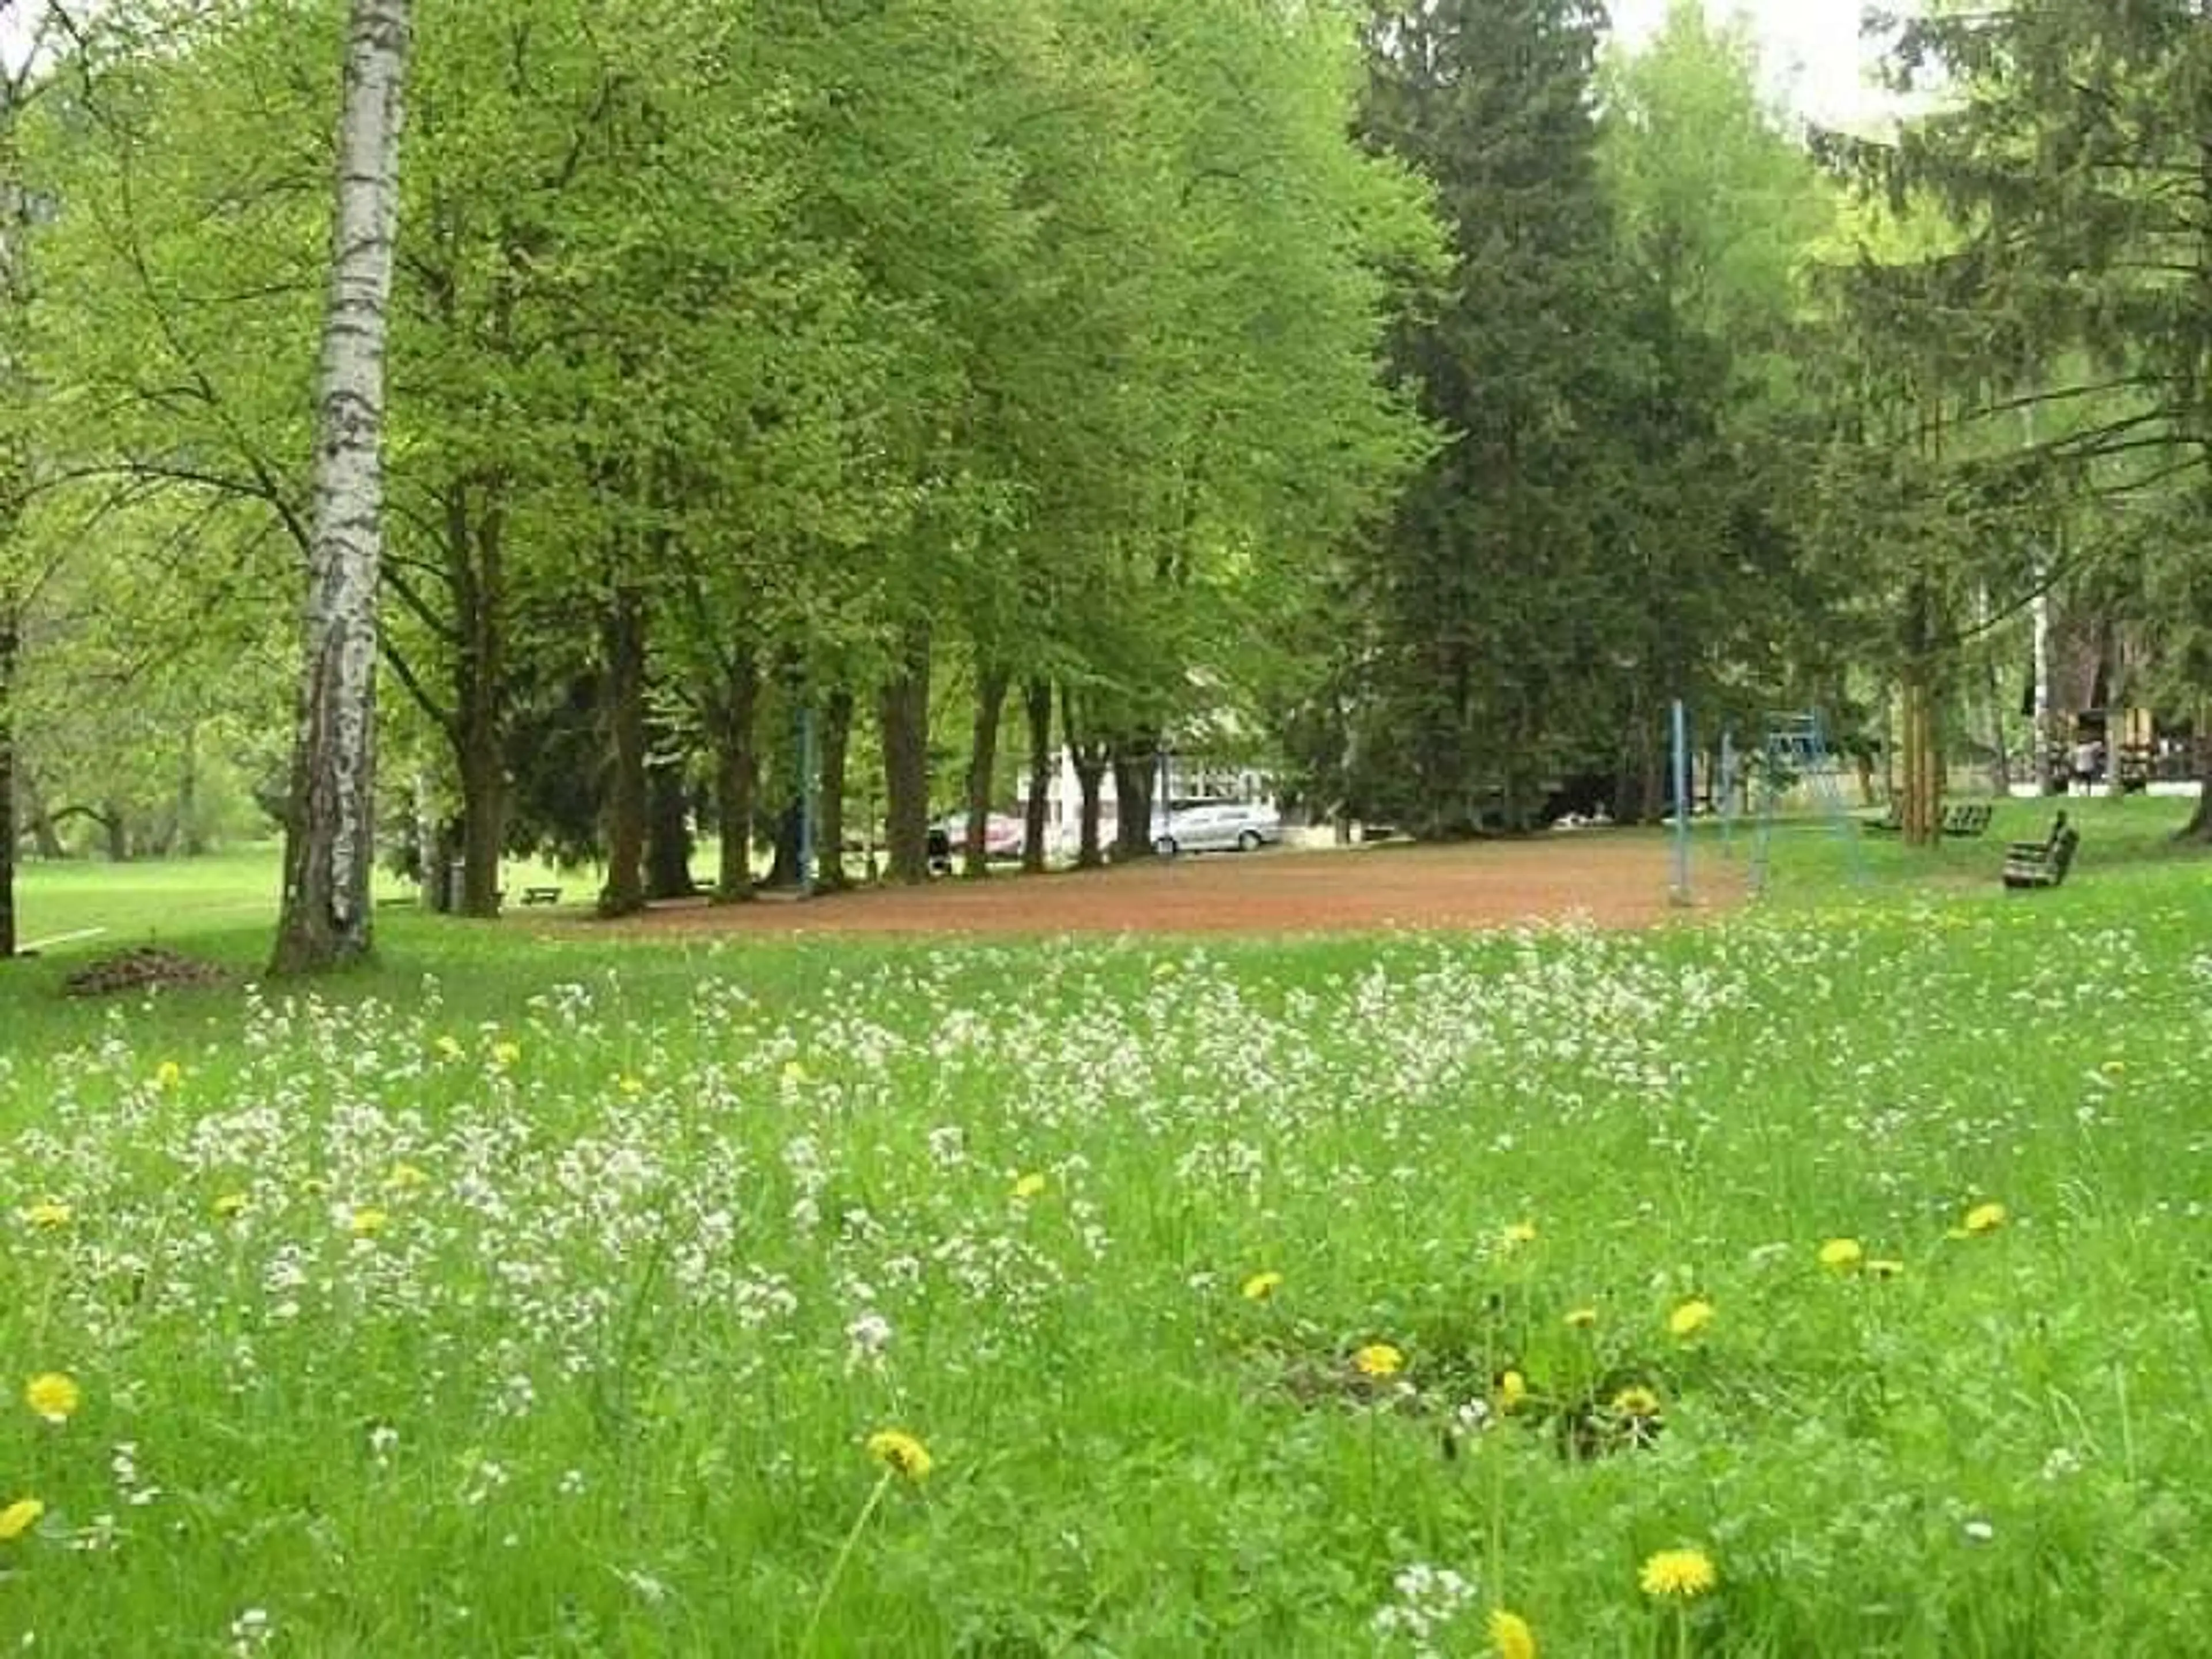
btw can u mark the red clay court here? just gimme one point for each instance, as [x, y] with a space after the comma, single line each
[1610, 879]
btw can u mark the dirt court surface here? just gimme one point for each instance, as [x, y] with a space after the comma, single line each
[1608, 880]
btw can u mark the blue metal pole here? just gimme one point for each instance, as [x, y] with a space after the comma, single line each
[1681, 802]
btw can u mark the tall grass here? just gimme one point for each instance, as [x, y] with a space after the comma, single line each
[528, 1297]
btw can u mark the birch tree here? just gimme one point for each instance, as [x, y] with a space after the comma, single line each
[330, 833]
[13, 223]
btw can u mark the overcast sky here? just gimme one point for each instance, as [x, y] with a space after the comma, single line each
[1813, 60]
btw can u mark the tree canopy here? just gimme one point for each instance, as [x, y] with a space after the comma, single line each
[1413, 399]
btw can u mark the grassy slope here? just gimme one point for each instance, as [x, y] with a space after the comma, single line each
[608, 1312]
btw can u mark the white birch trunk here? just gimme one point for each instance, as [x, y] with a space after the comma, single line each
[330, 847]
[2118, 691]
[2045, 739]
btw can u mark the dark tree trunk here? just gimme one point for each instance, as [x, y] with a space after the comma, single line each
[2199, 826]
[30, 810]
[10, 648]
[443, 846]
[1518, 797]
[1090, 783]
[1889, 775]
[1639, 784]
[625, 701]
[1036, 703]
[1091, 760]
[484, 821]
[991, 687]
[1652, 780]
[476, 571]
[732, 710]
[118, 827]
[1921, 821]
[1135, 770]
[905, 702]
[783, 871]
[668, 832]
[189, 838]
[837, 753]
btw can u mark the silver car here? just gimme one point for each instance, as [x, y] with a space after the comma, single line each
[1219, 826]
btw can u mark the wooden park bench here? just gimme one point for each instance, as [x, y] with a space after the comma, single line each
[2030, 864]
[541, 895]
[1968, 820]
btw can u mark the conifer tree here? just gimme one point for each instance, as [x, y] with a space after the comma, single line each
[1488, 593]
[2070, 147]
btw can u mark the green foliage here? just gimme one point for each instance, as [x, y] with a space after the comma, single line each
[2063, 148]
[1495, 541]
[1054, 323]
[1604, 528]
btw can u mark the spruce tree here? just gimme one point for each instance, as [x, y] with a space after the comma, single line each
[1486, 596]
[2070, 146]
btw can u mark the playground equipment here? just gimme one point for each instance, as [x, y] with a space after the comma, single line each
[1794, 750]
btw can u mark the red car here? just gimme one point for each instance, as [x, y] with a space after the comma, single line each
[948, 839]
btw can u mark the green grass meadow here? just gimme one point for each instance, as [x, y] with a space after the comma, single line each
[542, 1297]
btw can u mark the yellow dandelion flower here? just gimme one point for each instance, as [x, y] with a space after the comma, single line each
[2115, 1067]
[901, 1454]
[1636, 1400]
[405, 1178]
[1378, 1360]
[1691, 1317]
[631, 1085]
[1884, 1267]
[168, 1074]
[1985, 1218]
[505, 1054]
[1511, 1634]
[1260, 1287]
[1683, 1573]
[229, 1207]
[1512, 1389]
[794, 1072]
[1029, 1185]
[50, 1213]
[1520, 1233]
[448, 1047]
[1582, 1318]
[1842, 1254]
[53, 1395]
[19, 1517]
[367, 1221]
